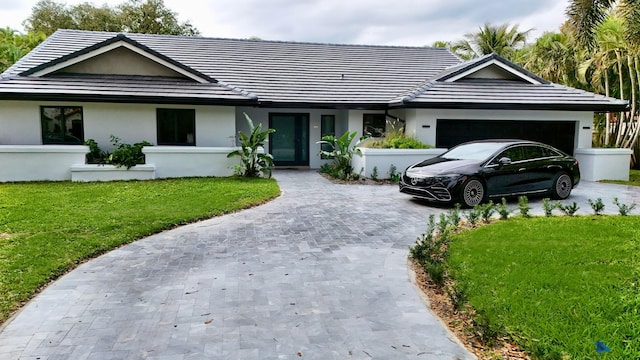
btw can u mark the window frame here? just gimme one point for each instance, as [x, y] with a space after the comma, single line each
[160, 112]
[43, 133]
[326, 132]
[370, 117]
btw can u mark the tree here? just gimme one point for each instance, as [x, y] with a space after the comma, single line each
[503, 40]
[141, 16]
[586, 15]
[152, 17]
[14, 45]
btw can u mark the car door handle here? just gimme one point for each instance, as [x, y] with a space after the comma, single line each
[522, 169]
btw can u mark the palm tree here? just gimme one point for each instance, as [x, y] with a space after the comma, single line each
[586, 15]
[553, 56]
[503, 40]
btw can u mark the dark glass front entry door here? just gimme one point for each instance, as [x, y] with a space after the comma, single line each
[290, 143]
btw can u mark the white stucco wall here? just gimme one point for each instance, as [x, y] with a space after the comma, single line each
[20, 121]
[39, 162]
[422, 122]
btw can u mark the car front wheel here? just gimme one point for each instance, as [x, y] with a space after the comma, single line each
[473, 192]
[562, 185]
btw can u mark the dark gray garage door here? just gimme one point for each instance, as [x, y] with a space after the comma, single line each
[560, 134]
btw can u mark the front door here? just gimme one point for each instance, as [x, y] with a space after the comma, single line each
[290, 143]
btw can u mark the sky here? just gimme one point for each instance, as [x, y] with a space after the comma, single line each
[373, 22]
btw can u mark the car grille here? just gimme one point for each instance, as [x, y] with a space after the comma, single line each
[436, 193]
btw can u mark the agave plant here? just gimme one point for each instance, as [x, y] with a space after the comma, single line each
[254, 161]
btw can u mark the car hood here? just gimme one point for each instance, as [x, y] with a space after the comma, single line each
[442, 166]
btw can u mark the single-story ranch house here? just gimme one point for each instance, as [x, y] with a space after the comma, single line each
[187, 96]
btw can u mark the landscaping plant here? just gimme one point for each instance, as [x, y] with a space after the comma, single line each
[472, 216]
[597, 206]
[123, 154]
[624, 209]
[487, 210]
[549, 206]
[341, 154]
[394, 175]
[523, 206]
[569, 210]
[254, 161]
[503, 209]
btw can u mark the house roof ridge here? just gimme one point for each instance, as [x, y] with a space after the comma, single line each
[418, 91]
[293, 42]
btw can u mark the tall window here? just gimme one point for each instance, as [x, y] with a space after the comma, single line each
[61, 125]
[374, 125]
[327, 127]
[176, 127]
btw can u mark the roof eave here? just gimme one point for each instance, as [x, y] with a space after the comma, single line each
[599, 108]
[127, 99]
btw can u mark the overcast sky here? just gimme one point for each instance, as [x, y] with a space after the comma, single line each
[378, 22]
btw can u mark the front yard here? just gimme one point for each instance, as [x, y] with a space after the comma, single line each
[559, 287]
[634, 179]
[46, 229]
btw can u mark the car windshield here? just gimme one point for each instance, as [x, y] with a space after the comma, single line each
[473, 151]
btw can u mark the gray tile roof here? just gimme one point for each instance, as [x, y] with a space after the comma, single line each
[271, 73]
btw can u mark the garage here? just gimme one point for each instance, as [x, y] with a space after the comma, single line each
[560, 134]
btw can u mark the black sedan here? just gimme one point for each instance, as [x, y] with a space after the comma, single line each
[475, 172]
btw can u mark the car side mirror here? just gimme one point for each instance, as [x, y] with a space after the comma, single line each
[504, 161]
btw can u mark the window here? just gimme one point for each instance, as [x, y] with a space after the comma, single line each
[327, 127]
[374, 125]
[176, 127]
[61, 125]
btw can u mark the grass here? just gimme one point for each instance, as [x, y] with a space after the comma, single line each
[46, 229]
[634, 179]
[556, 285]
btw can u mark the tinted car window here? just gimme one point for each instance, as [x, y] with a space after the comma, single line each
[513, 153]
[549, 152]
[531, 152]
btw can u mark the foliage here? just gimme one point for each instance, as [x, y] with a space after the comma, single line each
[487, 210]
[123, 154]
[394, 175]
[597, 206]
[549, 206]
[341, 154]
[394, 137]
[569, 210]
[126, 154]
[14, 45]
[523, 206]
[49, 228]
[472, 216]
[623, 209]
[559, 292]
[429, 251]
[374, 173]
[96, 155]
[503, 209]
[453, 215]
[503, 40]
[136, 16]
[254, 162]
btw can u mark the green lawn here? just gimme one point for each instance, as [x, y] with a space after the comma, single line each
[48, 228]
[634, 179]
[556, 285]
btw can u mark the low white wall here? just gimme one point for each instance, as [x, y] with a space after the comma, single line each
[184, 161]
[39, 162]
[604, 164]
[95, 172]
[384, 158]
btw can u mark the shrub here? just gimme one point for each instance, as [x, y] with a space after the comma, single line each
[624, 209]
[487, 210]
[123, 154]
[569, 210]
[473, 215]
[597, 206]
[503, 209]
[126, 154]
[394, 175]
[549, 206]
[341, 154]
[253, 161]
[523, 205]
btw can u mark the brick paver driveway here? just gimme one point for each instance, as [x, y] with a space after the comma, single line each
[319, 273]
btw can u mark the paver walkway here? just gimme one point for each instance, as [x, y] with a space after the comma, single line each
[319, 273]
